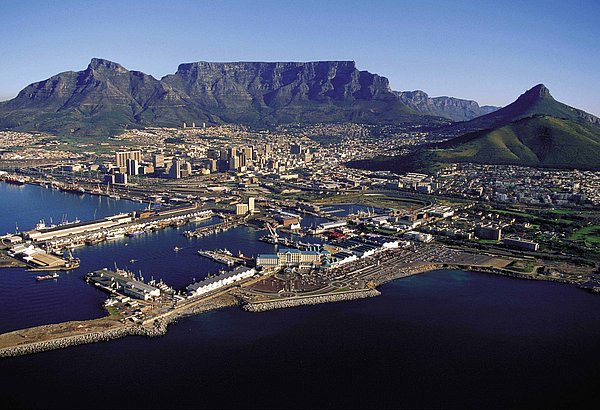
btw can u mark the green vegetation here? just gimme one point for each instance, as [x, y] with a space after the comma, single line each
[112, 311]
[589, 234]
[522, 266]
[378, 201]
[535, 141]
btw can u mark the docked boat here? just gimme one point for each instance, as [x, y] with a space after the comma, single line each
[136, 233]
[14, 180]
[223, 256]
[93, 241]
[47, 277]
[115, 235]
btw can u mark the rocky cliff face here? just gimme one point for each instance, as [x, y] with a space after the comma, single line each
[106, 98]
[447, 107]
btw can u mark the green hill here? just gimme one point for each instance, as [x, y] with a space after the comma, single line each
[535, 130]
[535, 141]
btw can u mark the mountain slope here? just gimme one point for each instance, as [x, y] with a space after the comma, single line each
[534, 141]
[107, 98]
[535, 101]
[454, 109]
[544, 133]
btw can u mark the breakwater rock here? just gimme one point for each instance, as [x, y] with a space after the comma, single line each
[406, 271]
[60, 343]
[152, 328]
[309, 300]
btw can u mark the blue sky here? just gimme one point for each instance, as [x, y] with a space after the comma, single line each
[489, 51]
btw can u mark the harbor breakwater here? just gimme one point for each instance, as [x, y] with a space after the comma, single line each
[63, 342]
[154, 328]
[309, 300]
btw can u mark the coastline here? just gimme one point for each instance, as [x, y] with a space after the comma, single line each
[158, 326]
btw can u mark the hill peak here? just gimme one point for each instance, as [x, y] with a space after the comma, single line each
[539, 92]
[102, 64]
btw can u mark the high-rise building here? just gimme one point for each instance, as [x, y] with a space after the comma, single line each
[212, 153]
[132, 167]
[175, 170]
[121, 179]
[247, 151]
[224, 154]
[121, 157]
[158, 160]
[234, 163]
[251, 204]
[296, 149]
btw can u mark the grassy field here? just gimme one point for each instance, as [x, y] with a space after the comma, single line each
[522, 266]
[588, 234]
[378, 201]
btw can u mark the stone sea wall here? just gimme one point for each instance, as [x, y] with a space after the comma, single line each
[157, 327]
[68, 341]
[309, 300]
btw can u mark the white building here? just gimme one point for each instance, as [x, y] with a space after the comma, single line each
[214, 283]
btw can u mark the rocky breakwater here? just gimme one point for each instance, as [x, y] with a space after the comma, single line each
[309, 300]
[404, 271]
[60, 343]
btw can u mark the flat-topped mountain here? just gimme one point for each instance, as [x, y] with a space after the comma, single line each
[106, 98]
[535, 130]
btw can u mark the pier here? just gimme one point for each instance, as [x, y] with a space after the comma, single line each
[227, 224]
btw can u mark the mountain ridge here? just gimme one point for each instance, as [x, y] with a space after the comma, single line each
[105, 98]
[455, 109]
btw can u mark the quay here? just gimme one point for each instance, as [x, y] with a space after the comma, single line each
[225, 225]
[223, 256]
[114, 227]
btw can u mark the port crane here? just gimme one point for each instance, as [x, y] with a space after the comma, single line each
[273, 233]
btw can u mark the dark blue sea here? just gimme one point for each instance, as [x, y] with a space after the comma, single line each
[444, 339]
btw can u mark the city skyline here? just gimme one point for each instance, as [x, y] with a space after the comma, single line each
[478, 51]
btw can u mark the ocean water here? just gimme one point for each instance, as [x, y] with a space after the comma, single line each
[443, 339]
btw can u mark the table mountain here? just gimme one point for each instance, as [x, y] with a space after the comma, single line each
[106, 98]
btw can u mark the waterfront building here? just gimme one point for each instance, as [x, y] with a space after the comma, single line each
[48, 234]
[216, 282]
[418, 236]
[109, 179]
[241, 209]
[123, 282]
[290, 257]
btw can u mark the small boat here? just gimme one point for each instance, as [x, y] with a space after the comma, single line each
[132, 260]
[46, 277]
[115, 235]
[176, 249]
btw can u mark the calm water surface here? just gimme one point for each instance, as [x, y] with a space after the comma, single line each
[442, 339]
